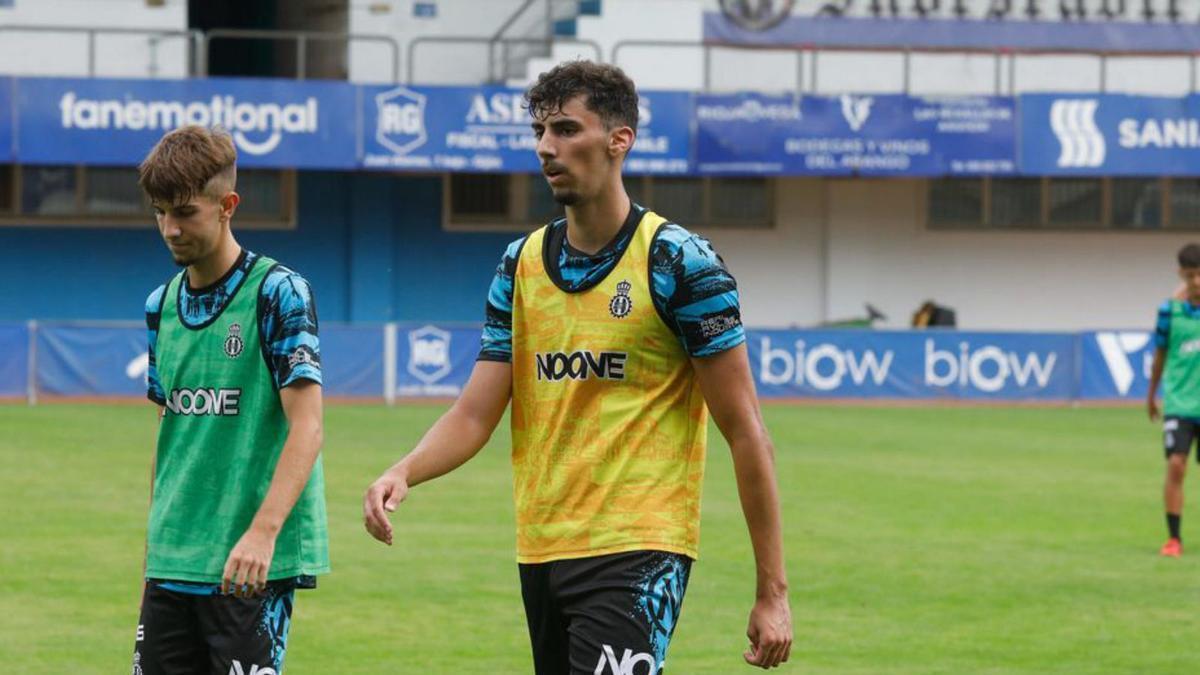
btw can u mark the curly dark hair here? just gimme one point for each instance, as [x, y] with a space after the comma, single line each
[1189, 256]
[607, 91]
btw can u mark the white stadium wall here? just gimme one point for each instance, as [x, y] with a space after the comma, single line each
[436, 63]
[840, 243]
[45, 53]
[682, 67]
[678, 67]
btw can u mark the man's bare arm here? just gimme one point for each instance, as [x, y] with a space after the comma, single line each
[249, 562]
[453, 440]
[728, 389]
[1156, 371]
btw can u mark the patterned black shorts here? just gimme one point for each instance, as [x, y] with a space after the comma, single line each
[186, 629]
[608, 615]
[1179, 434]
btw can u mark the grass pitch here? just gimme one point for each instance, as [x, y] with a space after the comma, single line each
[919, 540]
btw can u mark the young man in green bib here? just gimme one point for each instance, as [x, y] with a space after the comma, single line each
[237, 513]
[1177, 353]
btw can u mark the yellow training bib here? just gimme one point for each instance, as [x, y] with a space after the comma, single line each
[608, 422]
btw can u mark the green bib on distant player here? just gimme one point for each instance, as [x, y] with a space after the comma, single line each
[1181, 384]
[219, 440]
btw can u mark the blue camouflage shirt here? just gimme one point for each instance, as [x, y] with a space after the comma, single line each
[288, 323]
[690, 285]
[1162, 324]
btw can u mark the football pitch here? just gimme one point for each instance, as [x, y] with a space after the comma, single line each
[919, 540]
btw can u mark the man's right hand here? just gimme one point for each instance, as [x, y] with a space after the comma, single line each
[1152, 408]
[770, 632]
[384, 495]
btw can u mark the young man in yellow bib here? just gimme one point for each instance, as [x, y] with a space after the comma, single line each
[614, 333]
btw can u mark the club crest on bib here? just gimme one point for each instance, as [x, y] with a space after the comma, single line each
[621, 304]
[233, 341]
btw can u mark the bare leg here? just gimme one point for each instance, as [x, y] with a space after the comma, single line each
[1173, 485]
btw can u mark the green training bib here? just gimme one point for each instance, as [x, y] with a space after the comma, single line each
[220, 437]
[1181, 383]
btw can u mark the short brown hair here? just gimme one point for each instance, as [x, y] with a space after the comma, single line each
[1189, 256]
[607, 91]
[187, 162]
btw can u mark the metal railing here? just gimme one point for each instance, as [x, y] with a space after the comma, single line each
[302, 39]
[615, 55]
[490, 42]
[545, 40]
[499, 48]
[195, 39]
[999, 56]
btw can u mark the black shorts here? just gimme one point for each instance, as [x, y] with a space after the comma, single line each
[183, 631]
[1179, 434]
[607, 615]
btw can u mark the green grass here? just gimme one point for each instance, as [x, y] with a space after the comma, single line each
[919, 541]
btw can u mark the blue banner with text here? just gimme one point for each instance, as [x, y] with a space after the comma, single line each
[488, 129]
[83, 360]
[872, 135]
[915, 365]
[274, 122]
[970, 25]
[1109, 134]
[280, 123]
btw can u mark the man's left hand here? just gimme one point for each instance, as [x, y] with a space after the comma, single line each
[248, 564]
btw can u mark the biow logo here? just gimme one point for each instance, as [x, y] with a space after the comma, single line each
[627, 665]
[238, 669]
[581, 365]
[987, 368]
[219, 402]
[822, 366]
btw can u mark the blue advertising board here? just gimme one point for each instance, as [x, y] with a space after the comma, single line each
[912, 364]
[1109, 134]
[434, 360]
[91, 360]
[273, 122]
[352, 360]
[487, 129]
[984, 30]
[850, 134]
[111, 360]
[664, 137]
[84, 360]
[7, 151]
[14, 359]
[337, 125]
[1115, 365]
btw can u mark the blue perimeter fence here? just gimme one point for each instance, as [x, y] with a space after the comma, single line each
[408, 360]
